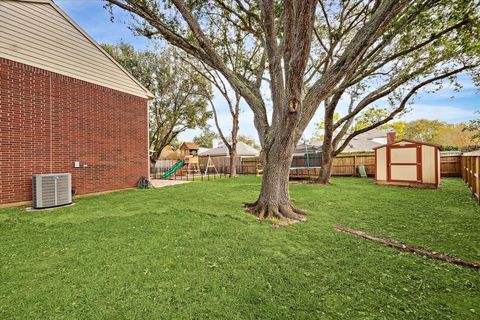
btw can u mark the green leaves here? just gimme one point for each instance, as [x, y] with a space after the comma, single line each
[370, 116]
[180, 92]
[205, 139]
[474, 127]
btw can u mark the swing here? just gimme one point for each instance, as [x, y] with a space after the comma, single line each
[210, 165]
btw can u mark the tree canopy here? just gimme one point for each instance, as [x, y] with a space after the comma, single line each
[437, 132]
[474, 127]
[181, 94]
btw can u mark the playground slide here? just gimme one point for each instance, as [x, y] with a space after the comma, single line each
[172, 170]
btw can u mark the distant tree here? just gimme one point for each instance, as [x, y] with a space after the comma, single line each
[453, 135]
[205, 139]
[181, 93]
[423, 130]
[399, 128]
[451, 148]
[369, 117]
[473, 126]
[434, 131]
[471, 148]
[320, 125]
[320, 128]
[248, 140]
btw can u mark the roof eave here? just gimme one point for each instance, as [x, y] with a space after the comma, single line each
[411, 141]
[148, 94]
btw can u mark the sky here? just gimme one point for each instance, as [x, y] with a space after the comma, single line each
[445, 105]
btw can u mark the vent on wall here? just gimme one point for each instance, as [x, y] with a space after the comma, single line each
[51, 190]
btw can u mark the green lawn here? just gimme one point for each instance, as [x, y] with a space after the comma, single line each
[191, 252]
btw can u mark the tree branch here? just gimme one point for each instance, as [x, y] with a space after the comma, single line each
[402, 105]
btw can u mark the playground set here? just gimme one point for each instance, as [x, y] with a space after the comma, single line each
[306, 166]
[189, 165]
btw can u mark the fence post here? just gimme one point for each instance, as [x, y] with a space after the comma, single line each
[461, 167]
[470, 173]
[354, 165]
[477, 178]
[466, 170]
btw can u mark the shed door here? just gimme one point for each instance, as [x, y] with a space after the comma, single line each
[404, 163]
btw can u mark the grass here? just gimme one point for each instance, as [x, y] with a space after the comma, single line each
[191, 252]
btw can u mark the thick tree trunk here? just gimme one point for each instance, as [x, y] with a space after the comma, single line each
[326, 171]
[235, 127]
[327, 146]
[274, 200]
[233, 157]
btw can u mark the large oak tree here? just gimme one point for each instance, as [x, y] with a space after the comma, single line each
[299, 81]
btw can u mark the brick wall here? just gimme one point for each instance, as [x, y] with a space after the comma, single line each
[48, 121]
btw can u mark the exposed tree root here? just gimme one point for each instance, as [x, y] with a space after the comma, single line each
[404, 247]
[285, 213]
[321, 181]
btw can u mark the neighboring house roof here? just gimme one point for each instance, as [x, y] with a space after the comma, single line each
[367, 141]
[202, 149]
[410, 141]
[362, 143]
[374, 133]
[472, 153]
[243, 150]
[38, 33]
[303, 148]
[189, 145]
[452, 153]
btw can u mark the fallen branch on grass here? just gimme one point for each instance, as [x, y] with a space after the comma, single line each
[404, 247]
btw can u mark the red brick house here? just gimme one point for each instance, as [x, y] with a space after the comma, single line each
[65, 106]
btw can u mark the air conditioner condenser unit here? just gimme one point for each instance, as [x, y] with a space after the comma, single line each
[51, 190]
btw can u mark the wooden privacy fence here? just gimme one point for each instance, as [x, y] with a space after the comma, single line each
[347, 165]
[471, 174]
[343, 165]
[450, 165]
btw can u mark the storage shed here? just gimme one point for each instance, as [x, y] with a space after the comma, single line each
[408, 163]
